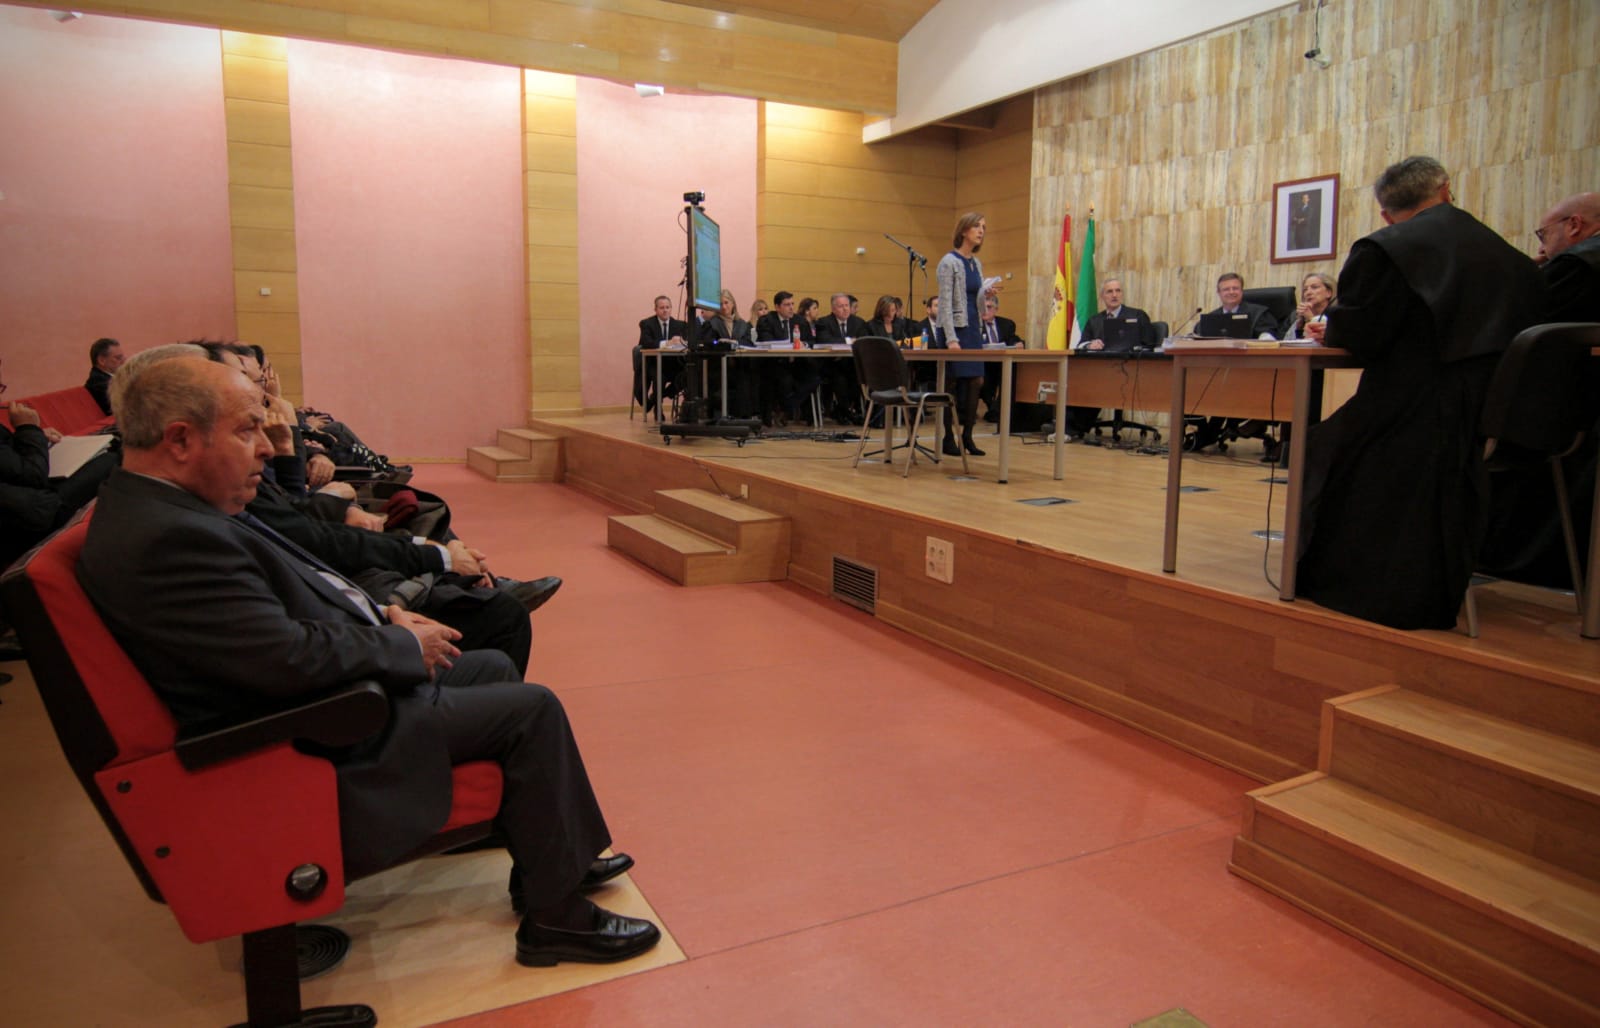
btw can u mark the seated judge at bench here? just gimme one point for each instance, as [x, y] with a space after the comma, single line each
[1116, 328]
[655, 332]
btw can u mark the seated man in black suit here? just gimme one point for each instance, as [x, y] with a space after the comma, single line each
[1569, 251]
[1115, 328]
[788, 383]
[228, 621]
[1230, 294]
[841, 326]
[654, 332]
[995, 329]
[1525, 541]
[105, 357]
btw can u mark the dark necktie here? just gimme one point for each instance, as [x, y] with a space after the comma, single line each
[348, 589]
[664, 331]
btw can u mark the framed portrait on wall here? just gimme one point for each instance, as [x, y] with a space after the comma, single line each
[1305, 219]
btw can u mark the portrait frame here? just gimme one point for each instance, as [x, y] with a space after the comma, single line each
[1305, 219]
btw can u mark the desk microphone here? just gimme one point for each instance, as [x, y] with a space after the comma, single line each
[1186, 321]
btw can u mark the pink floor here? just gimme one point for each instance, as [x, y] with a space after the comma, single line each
[841, 825]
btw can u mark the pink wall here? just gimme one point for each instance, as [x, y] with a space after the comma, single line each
[636, 158]
[114, 168]
[408, 200]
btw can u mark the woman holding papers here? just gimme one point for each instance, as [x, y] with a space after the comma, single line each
[961, 292]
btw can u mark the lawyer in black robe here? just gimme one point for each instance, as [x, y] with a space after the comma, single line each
[1395, 489]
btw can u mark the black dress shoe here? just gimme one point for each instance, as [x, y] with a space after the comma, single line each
[604, 869]
[951, 448]
[612, 937]
[532, 595]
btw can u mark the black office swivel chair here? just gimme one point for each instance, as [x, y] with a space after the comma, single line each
[886, 382]
[1117, 423]
[1538, 408]
[1280, 301]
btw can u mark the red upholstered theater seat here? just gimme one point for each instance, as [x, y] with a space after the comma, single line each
[237, 832]
[69, 411]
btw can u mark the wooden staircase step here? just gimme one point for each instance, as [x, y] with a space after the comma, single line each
[680, 554]
[524, 440]
[529, 461]
[1530, 790]
[732, 521]
[1516, 933]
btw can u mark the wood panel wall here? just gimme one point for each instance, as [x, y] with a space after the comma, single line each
[993, 175]
[550, 195]
[255, 85]
[637, 41]
[1178, 149]
[821, 192]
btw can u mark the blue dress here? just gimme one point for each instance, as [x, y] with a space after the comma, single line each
[969, 335]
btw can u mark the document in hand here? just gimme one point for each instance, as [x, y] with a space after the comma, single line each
[74, 451]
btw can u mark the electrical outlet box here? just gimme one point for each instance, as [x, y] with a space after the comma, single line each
[941, 560]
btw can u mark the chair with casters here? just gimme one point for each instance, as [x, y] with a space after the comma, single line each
[1539, 407]
[1117, 422]
[235, 830]
[886, 383]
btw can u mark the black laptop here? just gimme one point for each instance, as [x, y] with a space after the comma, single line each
[1217, 325]
[1120, 335]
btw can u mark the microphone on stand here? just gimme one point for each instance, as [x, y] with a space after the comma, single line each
[1186, 321]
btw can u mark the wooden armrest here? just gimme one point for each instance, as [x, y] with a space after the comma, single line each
[343, 718]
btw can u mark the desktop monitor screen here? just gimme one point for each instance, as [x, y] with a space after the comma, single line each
[705, 260]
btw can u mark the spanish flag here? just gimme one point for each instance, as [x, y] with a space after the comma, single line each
[1062, 313]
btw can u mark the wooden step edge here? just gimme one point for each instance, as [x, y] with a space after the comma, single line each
[1384, 927]
[1487, 856]
[1538, 757]
[497, 453]
[532, 435]
[1330, 708]
[717, 504]
[671, 534]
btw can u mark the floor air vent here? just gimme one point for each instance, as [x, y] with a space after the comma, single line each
[855, 584]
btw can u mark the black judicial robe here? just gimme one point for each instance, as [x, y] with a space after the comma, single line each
[1396, 494]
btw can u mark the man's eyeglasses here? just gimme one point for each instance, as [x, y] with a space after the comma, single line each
[1539, 232]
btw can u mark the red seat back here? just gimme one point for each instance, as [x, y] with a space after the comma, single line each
[69, 411]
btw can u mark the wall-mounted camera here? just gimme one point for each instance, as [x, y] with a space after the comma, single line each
[694, 199]
[1317, 57]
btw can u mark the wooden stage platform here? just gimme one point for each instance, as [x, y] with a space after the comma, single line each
[1070, 596]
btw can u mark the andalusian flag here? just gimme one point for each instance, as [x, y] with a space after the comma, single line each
[1086, 287]
[1061, 304]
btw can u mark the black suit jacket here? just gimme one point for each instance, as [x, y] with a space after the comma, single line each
[828, 329]
[1574, 282]
[1261, 319]
[347, 550]
[99, 386]
[713, 328]
[1006, 328]
[930, 328]
[1146, 331]
[226, 626]
[650, 332]
[770, 327]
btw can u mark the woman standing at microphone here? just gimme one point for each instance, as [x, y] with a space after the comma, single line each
[960, 302]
